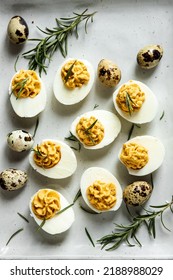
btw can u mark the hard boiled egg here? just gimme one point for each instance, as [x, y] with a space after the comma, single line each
[109, 121]
[69, 96]
[155, 150]
[95, 174]
[148, 110]
[29, 106]
[64, 168]
[59, 222]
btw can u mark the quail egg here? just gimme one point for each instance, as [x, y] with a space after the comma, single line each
[20, 140]
[100, 190]
[96, 129]
[13, 179]
[108, 73]
[73, 81]
[149, 56]
[135, 102]
[17, 30]
[137, 193]
[27, 93]
[142, 155]
[47, 204]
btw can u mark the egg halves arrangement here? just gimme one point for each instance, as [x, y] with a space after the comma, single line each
[51, 211]
[73, 81]
[53, 158]
[27, 94]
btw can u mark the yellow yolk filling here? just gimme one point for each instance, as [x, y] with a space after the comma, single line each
[25, 84]
[90, 131]
[45, 204]
[134, 155]
[47, 154]
[130, 98]
[75, 74]
[101, 195]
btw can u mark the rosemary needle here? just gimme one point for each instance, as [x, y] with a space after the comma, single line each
[69, 72]
[89, 237]
[26, 220]
[14, 234]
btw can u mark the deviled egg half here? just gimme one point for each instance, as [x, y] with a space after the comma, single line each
[51, 211]
[53, 159]
[100, 190]
[96, 129]
[135, 102]
[27, 93]
[142, 155]
[73, 81]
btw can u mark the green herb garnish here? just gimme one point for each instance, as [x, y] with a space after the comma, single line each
[89, 237]
[21, 84]
[15, 64]
[37, 152]
[55, 38]
[77, 196]
[74, 139]
[26, 220]
[36, 126]
[90, 127]
[129, 103]
[14, 234]
[126, 232]
[161, 117]
[41, 225]
[131, 130]
[95, 106]
[69, 72]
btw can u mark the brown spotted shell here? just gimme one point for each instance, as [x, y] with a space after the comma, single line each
[149, 56]
[13, 179]
[17, 30]
[137, 193]
[109, 73]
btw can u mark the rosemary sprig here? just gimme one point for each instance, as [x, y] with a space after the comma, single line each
[74, 139]
[87, 130]
[36, 127]
[55, 38]
[14, 234]
[21, 84]
[23, 217]
[69, 72]
[41, 225]
[131, 130]
[37, 151]
[15, 63]
[89, 237]
[126, 232]
[129, 103]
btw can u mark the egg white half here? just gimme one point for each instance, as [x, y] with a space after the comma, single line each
[93, 174]
[64, 168]
[148, 110]
[67, 96]
[28, 107]
[156, 153]
[59, 223]
[110, 122]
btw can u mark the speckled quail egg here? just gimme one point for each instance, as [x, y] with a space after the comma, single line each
[137, 193]
[149, 56]
[12, 179]
[17, 30]
[108, 73]
[20, 140]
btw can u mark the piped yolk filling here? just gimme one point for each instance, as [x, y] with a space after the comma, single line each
[90, 131]
[45, 204]
[130, 98]
[47, 154]
[101, 195]
[134, 155]
[75, 74]
[25, 84]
